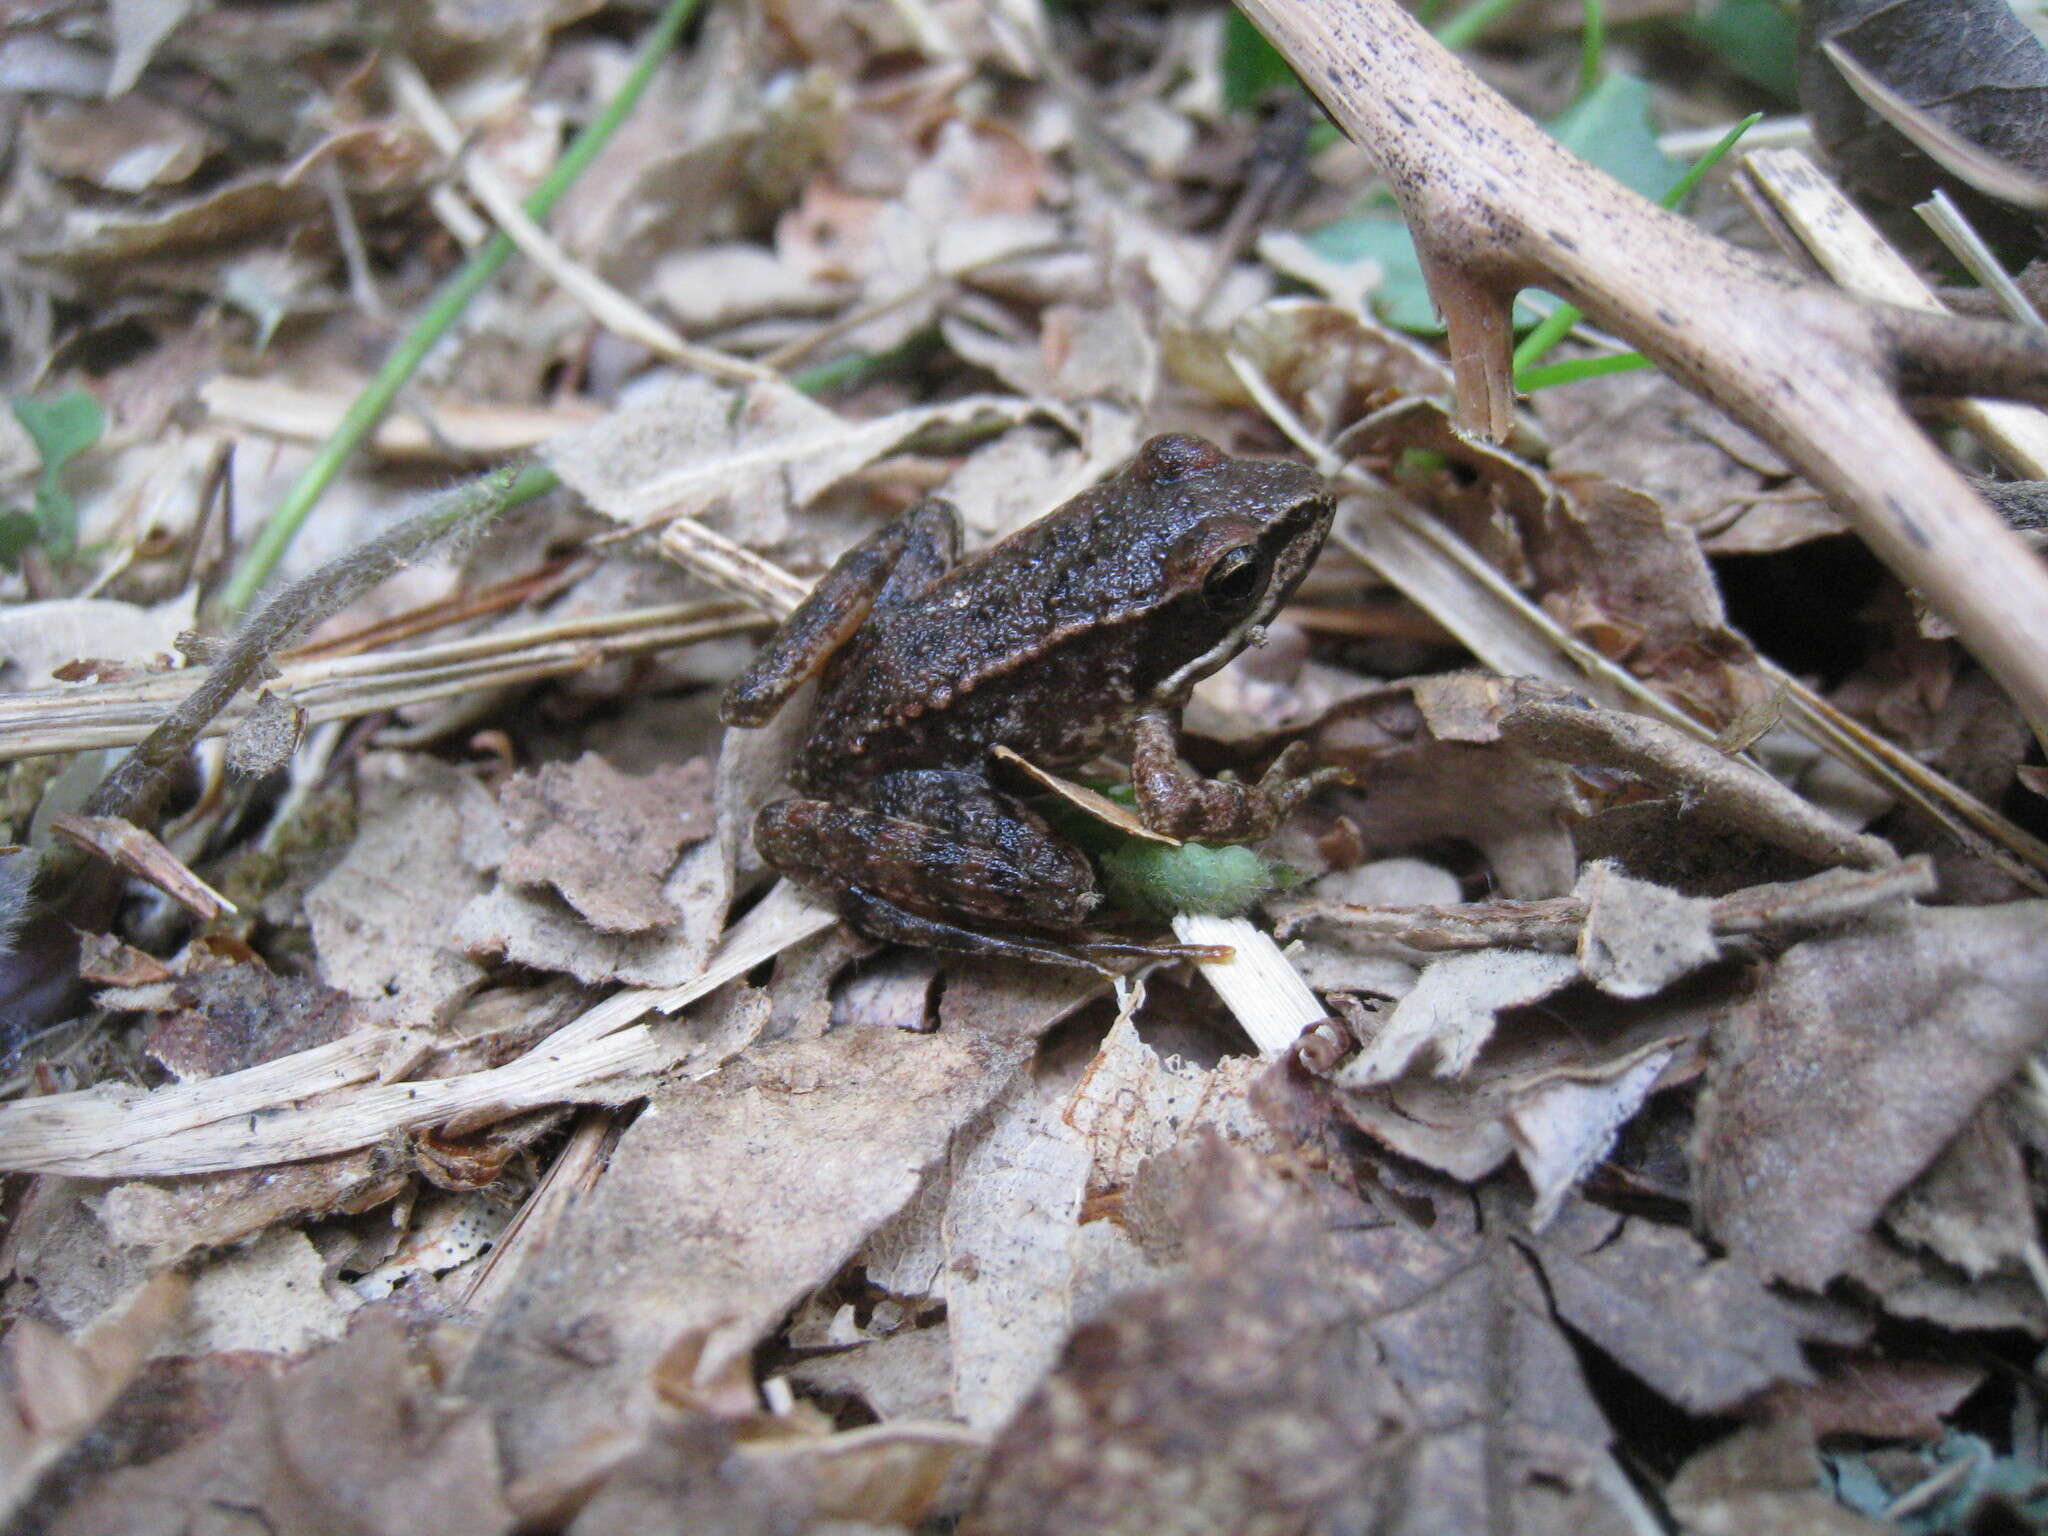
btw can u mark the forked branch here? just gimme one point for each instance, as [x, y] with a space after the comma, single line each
[1496, 205]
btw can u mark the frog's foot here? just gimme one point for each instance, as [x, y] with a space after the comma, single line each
[1175, 800]
[880, 918]
[1290, 780]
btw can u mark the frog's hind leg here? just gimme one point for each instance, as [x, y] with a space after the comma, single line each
[888, 568]
[939, 842]
[940, 859]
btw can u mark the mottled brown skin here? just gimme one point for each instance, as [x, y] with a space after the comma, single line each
[1081, 634]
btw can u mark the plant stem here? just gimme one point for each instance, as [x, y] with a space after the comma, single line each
[1528, 381]
[1593, 46]
[447, 305]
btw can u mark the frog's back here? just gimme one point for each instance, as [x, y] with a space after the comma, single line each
[1038, 644]
[1049, 642]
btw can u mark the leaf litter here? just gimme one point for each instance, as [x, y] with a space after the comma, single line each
[421, 1105]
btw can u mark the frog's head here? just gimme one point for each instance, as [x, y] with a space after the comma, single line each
[1242, 533]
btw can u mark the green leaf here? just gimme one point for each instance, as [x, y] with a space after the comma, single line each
[61, 428]
[1251, 65]
[1610, 126]
[18, 532]
[1757, 39]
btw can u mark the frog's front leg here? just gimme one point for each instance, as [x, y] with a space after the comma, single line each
[892, 565]
[1175, 800]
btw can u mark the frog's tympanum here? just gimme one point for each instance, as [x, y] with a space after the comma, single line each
[1079, 635]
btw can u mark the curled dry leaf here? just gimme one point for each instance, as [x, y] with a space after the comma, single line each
[1453, 1010]
[1963, 70]
[1551, 723]
[1644, 431]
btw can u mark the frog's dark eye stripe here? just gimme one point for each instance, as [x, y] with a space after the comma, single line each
[1235, 581]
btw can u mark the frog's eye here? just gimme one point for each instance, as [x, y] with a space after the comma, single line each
[1235, 581]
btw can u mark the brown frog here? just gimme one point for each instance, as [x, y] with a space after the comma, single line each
[1080, 634]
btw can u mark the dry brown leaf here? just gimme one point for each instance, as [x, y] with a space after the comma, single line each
[1241, 1396]
[537, 931]
[1702, 1332]
[744, 459]
[1916, 1285]
[602, 838]
[1131, 1105]
[270, 1295]
[58, 1387]
[168, 1218]
[1453, 1009]
[1910, 1025]
[1762, 1482]
[1487, 496]
[1509, 1435]
[1870, 1395]
[220, 1021]
[355, 1438]
[1334, 364]
[1640, 937]
[127, 145]
[139, 28]
[1415, 787]
[383, 917]
[1564, 1121]
[173, 1399]
[1016, 1198]
[733, 281]
[676, 172]
[907, 1375]
[734, 1196]
[1973, 1205]
[37, 638]
[1622, 576]
[1550, 722]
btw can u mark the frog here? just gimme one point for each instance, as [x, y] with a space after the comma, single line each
[1080, 635]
